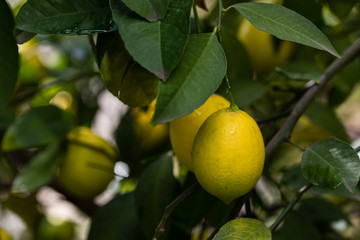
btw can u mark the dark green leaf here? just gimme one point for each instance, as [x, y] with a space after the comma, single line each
[329, 163]
[123, 77]
[156, 188]
[65, 17]
[36, 127]
[243, 228]
[310, 9]
[157, 46]
[285, 24]
[152, 10]
[9, 57]
[116, 220]
[197, 77]
[322, 115]
[297, 227]
[39, 171]
[341, 8]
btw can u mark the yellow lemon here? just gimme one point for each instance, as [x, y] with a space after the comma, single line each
[4, 235]
[260, 47]
[88, 165]
[228, 154]
[183, 130]
[150, 137]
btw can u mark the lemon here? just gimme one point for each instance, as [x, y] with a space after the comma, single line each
[88, 165]
[260, 47]
[183, 130]
[4, 235]
[228, 154]
[150, 137]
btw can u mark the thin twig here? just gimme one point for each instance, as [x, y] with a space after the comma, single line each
[284, 133]
[357, 149]
[289, 207]
[196, 16]
[160, 230]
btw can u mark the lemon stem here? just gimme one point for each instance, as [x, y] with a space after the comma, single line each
[233, 105]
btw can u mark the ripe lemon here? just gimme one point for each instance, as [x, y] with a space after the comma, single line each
[88, 165]
[228, 154]
[183, 130]
[260, 47]
[150, 137]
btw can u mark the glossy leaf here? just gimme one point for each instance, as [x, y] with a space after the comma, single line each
[9, 57]
[36, 127]
[285, 24]
[331, 162]
[156, 188]
[152, 10]
[244, 228]
[123, 77]
[65, 17]
[197, 77]
[322, 115]
[157, 46]
[39, 171]
[116, 220]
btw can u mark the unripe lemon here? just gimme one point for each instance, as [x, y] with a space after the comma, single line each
[183, 130]
[88, 165]
[150, 137]
[228, 154]
[260, 47]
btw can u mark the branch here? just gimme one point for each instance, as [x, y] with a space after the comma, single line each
[285, 131]
[289, 207]
[160, 229]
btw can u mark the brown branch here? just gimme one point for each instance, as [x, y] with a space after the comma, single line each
[285, 131]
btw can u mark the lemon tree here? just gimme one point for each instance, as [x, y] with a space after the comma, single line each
[228, 119]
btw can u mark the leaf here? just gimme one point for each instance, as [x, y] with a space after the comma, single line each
[197, 77]
[116, 220]
[201, 4]
[39, 171]
[243, 228]
[156, 188]
[341, 8]
[285, 24]
[123, 77]
[65, 17]
[329, 163]
[325, 117]
[157, 46]
[152, 10]
[9, 57]
[36, 127]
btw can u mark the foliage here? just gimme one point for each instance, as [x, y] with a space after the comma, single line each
[58, 58]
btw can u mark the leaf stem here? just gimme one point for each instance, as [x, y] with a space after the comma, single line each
[289, 207]
[196, 16]
[160, 229]
[296, 145]
[284, 132]
[357, 149]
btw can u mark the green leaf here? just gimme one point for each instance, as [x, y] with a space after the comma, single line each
[116, 220]
[329, 163]
[39, 171]
[156, 188]
[152, 10]
[285, 24]
[197, 77]
[243, 228]
[37, 127]
[65, 17]
[123, 77]
[9, 57]
[325, 117]
[157, 46]
[341, 8]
